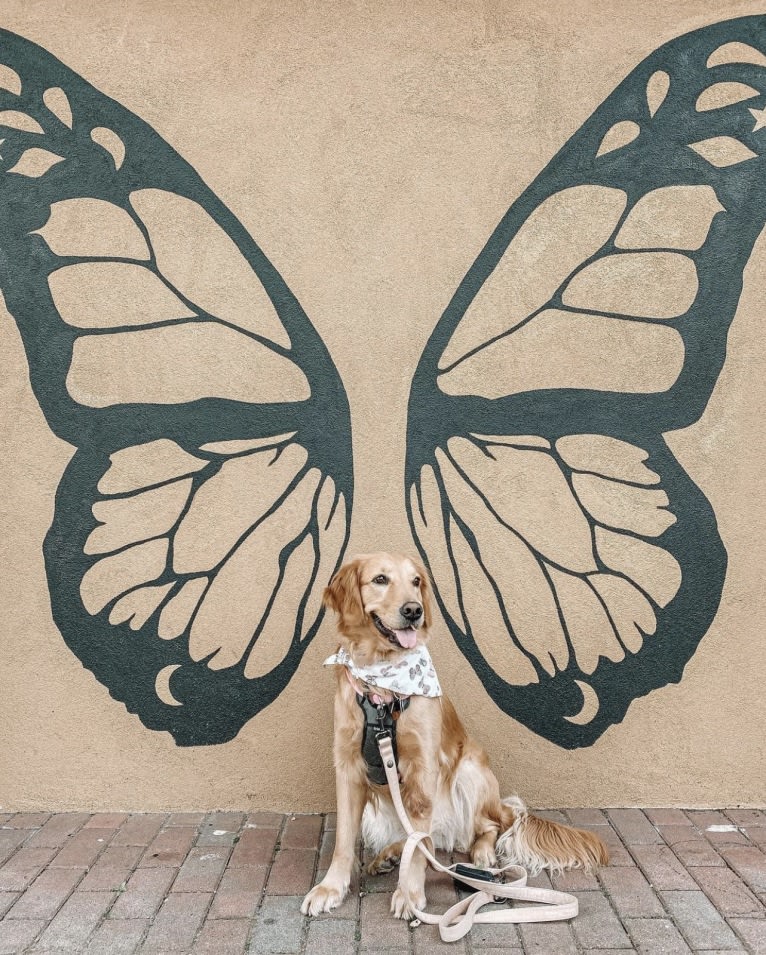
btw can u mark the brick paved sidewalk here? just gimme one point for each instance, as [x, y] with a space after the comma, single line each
[226, 882]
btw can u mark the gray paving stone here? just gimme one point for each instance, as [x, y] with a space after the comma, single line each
[618, 854]
[633, 826]
[656, 937]
[10, 840]
[726, 891]
[587, 818]
[331, 936]
[427, 941]
[118, 937]
[631, 894]
[697, 918]
[752, 932]
[544, 938]
[76, 921]
[555, 815]
[662, 867]
[176, 923]
[667, 817]
[222, 937]
[749, 863]
[17, 934]
[382, 950]
[377, 924]
[279, 926]
[596, 925]
[7, 899]
[494, 936]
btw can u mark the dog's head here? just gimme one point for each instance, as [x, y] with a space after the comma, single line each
[382, 599]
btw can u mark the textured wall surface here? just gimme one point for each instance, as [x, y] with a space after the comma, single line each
[286, 283]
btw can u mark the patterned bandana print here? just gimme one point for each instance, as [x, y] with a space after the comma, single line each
[410, 675]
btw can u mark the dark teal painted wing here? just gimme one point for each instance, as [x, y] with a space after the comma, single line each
[577, 564]
[208, 501]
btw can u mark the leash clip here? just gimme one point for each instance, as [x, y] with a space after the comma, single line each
[382, 713]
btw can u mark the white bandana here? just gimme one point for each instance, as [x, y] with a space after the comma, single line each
[410, 675]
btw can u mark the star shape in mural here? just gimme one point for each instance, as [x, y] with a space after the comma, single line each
[759, 115]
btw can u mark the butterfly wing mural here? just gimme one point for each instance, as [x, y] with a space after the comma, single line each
[208, 501]
[209, 498]
[576, 563]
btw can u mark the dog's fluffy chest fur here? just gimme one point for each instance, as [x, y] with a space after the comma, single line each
[455, 807]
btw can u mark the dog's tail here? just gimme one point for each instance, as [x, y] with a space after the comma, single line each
[539, 843]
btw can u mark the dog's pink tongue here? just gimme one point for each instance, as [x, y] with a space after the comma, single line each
[407, 638]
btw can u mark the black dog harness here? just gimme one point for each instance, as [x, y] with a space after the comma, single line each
[379, 721]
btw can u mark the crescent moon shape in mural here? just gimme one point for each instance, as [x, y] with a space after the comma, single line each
[589, 705]
[162, 685]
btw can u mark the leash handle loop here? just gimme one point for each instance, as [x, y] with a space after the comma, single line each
[458, 920]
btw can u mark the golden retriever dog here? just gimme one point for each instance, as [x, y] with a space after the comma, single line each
[384, 607]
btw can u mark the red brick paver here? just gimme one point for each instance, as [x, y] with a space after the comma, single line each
[202, 870]
[662, 867]
[631, 895]
[18, 935]
[118, 936]
[78, 918]
[170, 846]
[255, 847]
[58, 829]
[26, 820]
[139, 830]
[46, 895]
[176, 924]
[292, 872]
[239, 893]
[106, 820]
[10, 840]
[23, 868]
[230, 883]
[143, 894]
[216, 937]
[302, 832]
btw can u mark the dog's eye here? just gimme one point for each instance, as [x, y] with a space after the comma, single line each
[380, 579]
[416, 582]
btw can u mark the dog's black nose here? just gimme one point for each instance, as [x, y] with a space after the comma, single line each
[411, 611]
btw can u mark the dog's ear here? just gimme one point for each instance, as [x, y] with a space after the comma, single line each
[343, 595]
[426, 594]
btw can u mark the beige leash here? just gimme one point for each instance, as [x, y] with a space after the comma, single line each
[458, 920]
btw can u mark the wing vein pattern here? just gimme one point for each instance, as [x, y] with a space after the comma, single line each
[208, 499]
[576, 563]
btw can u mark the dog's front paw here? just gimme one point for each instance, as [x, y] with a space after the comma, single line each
[404, 903]
[484, 858]
[323, 898]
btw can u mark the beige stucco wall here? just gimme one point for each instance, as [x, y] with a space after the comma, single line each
[371, 149]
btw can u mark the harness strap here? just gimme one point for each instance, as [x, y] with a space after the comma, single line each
[380, 718]
[491, 884]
